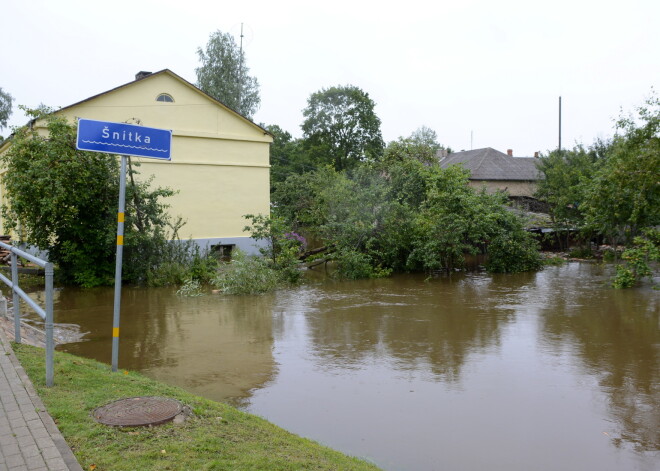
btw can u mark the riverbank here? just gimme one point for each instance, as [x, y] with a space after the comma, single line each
[214, 437]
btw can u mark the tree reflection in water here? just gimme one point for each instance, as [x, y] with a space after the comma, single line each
[615, 334]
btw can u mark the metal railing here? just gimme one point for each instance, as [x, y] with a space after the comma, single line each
[18, 294]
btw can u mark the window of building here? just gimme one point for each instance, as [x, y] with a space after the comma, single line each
[165, 97]
[223, 251]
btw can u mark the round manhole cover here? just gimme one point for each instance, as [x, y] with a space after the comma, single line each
[137, 411]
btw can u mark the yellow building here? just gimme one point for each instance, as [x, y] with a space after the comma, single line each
[220, 159]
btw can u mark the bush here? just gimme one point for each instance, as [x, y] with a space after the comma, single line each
[638, 259]
[283, 246]
[513, 252]
[354, 265]
[190, 288]
[178, 261]
[581, 252]
[247, 275]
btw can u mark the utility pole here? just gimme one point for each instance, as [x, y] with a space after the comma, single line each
[559, 147]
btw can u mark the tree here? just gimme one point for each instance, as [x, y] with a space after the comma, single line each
[422, 145]
[63, 200]
[425, 136]
[341, 127]
[224, 75]
[624, 196]
[404, 215]
[286, 156]
[5, 108]
[567, 175]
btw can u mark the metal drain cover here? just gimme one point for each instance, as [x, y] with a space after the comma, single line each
[137, 411]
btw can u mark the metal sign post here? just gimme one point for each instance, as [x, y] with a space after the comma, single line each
[118, 263]
[123, 139]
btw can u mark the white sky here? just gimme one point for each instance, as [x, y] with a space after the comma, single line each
[493, 69]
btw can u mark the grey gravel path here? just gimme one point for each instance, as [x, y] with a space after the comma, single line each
[29, 439]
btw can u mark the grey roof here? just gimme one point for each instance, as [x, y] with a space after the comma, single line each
[490, 164]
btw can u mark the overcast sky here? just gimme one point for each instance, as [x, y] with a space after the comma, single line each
[481, 73]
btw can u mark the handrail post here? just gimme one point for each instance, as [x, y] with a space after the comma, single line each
[16, 298]
[46, 315]
[50, 343]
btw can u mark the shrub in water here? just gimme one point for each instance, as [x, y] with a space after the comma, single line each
[246, 275]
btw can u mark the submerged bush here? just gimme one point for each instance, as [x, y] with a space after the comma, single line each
[638, 260]
[283, 246]
[354, 265]
[180, 261]
[190, 288]
[512, 252]
[247, 275]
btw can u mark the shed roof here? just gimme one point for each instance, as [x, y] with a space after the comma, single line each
[491, 164]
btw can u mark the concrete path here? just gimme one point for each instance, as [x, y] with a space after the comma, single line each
[29, 439]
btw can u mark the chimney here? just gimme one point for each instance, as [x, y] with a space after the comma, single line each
[142, 74]
[536, 155]
[509, 152]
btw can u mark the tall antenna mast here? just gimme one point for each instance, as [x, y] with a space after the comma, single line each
[240, 69]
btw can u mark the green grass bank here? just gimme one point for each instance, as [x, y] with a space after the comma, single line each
[215, 437]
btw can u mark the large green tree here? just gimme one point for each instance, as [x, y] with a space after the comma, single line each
[341, 127]
[223, 74]
[64, 201]
[5, 108]
[287, 156]
[624, 196]
[567, 175]
[610, 188]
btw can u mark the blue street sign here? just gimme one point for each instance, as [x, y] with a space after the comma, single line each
[126, 139]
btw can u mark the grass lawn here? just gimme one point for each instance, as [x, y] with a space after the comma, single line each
[216, 437]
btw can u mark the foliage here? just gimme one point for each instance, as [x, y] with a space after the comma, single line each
[287, 156]
[408, 148]
[624, 196]
[5, 108]
[341, 127]
[512, 251]
[584, 252]
[611, 188]
[175, 261]
[64, 201]
[215, 437]
[299, 199]
[553, 260]
[224, 75]
[425, 136]
[567, 175]
[283, 247]
[247, 275]
[354, 265]
[404, 215]
[638, 260]
[190, 288]
[455, 220]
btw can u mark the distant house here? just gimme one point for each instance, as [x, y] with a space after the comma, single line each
[220, 159]
[489, 168]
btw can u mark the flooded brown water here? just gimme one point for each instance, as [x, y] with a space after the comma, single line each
[545, 371]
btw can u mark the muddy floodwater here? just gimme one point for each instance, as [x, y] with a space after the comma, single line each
[546, 371]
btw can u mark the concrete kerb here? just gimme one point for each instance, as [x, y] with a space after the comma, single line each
[54, 433]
